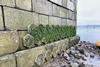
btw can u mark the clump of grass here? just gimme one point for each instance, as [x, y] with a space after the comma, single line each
[44, 34]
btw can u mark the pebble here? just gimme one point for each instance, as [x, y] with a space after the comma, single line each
[81, 65]
[92, 55]
[74, 65]
[81, 50]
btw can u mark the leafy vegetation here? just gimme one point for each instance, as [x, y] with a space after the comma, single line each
[47, 34]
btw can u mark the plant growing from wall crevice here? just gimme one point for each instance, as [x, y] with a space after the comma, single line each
[43, 34]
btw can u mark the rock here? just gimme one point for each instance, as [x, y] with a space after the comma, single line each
[78, 56]
[8, 61]
[76, 47]
[84, 59]
[64, 66]
[81, 65]
[72, 52]
[66, 56]
[72, 48]
[81, 50]
[92, 55]
[74, 65]
[28, 41]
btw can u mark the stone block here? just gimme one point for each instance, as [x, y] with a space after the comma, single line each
[21, 35]
[59, 2]
[64, 3]
[43, 6]
[59, 46]
[24, 4]
[19, 19]
[71, 22]
[1, 20]
[74, 40]
[43, 19]
[49, 50]
[56, 10]
[31, 58]
[74, 16]
[10, 3]
[8, 61]
[71, 15]
[63, 12]
[65, 44]
[64, 22]
[9, 42]
[70, 4]
[36, 19]
[54, 21]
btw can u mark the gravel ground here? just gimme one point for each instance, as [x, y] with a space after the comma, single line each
[84, 54]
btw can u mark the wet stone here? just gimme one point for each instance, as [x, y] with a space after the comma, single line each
[92, 55]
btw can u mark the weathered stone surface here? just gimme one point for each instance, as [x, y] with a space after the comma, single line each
[9, 42]
[19, 19]
[64, 22]
[31, 58]
[74, 40]
[49, 51]
[54, 20]
[8, 2]
[1, 20]
[24, 4]
[58, 46]
[8, 61]
[70, 4]
[56, 10]
[21, 35]
[63, 12]
[43, 6]
[70, 14]
[64, 3]
[65, 44]
[59, 2]
[36, 19]
[28, 41]
[74, 16]
[43, 19]
[71, 22]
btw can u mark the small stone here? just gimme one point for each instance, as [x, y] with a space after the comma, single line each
[81, 65]
[84, 59]
[64, 66]
[72, 48]
[72, 52]
[92, 55]
[78, 56]
[81, 51]
[66, 56]
[74, 65]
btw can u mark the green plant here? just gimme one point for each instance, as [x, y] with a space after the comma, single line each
[44, 34]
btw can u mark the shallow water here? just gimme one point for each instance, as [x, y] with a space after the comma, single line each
[91, 34]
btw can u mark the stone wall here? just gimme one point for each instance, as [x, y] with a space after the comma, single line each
[34, 57]
[16, 15]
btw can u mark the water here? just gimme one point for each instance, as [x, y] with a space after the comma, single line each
[91, 33]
